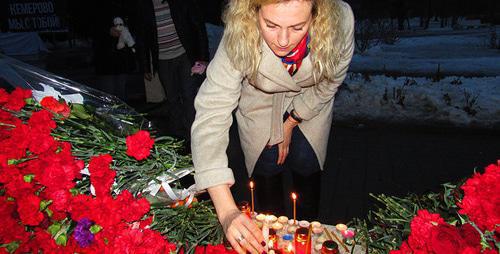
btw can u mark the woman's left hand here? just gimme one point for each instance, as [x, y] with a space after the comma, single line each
[283, 147]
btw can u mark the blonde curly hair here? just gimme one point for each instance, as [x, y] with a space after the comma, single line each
[327, 37]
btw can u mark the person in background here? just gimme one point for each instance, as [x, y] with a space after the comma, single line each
[173, 43]
[113, 65]
[279, 65]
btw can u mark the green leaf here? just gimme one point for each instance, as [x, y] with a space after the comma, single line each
[11, 247]
[74, 191]
[79, 111]
[95, 229]
[29, 101]
[54, 228]
[28, 178]
[49, 212]
[44, 204]
[62, 240]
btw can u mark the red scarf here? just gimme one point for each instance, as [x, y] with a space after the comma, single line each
[293, 60]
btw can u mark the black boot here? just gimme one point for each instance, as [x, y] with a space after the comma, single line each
[269, 194]
[308, 189]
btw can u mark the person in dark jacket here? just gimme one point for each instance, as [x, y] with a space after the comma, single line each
[172, 42]
[113, 66]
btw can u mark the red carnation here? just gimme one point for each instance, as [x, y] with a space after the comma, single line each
[4, 96]
[446, 239]
[421, 228]
[140, 241]
[481, 200]
[132, 209]
[16, 100]
[55, 106]
[41, 121]
[139, 145]
[61, 199]
[11, 229]
[470, 236]
[29, 210]
[101, 175]
[41, 143]
[215, 249]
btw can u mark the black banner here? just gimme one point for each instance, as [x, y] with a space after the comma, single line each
[40, 16]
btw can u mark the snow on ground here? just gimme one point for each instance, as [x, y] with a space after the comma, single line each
[465, 54]
[452, 101]
[466, 94]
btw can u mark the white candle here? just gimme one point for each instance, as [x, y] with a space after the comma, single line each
[294, 198]
[251, 191]
[283, 219]
[341, 227]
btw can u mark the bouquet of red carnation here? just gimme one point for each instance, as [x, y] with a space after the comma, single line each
[40, 206]
[44, 206]
[479, 217]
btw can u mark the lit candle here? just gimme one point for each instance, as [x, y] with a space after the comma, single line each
[301, 241]
[294, 198]
[251, 192]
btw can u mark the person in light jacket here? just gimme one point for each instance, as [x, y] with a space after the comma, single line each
[279, 65]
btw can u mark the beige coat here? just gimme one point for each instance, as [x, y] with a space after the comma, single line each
[259, 109]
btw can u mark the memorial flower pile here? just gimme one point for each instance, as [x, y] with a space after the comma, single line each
[48, 206]
[463, 219]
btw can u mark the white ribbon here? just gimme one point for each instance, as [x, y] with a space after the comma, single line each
[175, 195]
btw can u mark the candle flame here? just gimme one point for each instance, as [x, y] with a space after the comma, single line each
[271, 243]
[251, 184]
[294, 196]
[289, 248]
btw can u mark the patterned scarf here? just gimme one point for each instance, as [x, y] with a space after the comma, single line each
[293, 60]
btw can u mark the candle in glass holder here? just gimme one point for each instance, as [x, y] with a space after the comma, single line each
[245, 208]
[294, 198]
[330, 247]
[301, 239]
[251, 192]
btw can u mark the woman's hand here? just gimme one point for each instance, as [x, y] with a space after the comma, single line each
[283, 147]
[240, 231]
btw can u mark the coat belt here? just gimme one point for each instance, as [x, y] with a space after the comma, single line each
[277, 119]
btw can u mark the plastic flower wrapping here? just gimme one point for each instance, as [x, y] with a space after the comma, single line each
[120, 117]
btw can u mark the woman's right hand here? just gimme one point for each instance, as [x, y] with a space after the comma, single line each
[240, 231]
